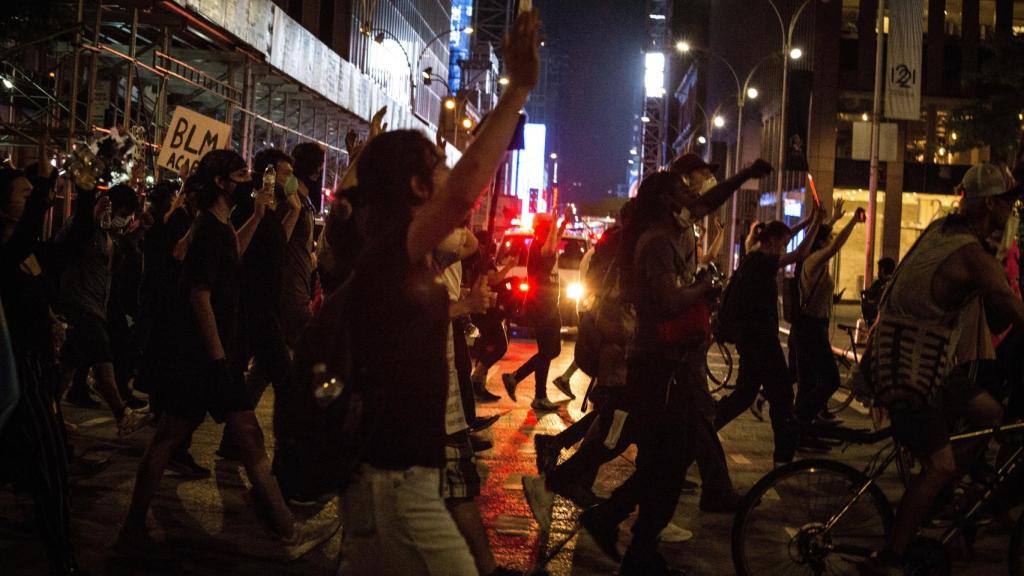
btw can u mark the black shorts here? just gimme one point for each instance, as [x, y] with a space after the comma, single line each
[88, 341]
[925, 430]
[189, 394]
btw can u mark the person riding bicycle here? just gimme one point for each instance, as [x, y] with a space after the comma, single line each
[944, 285]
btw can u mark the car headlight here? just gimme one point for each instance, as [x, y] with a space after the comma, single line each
[574, 291]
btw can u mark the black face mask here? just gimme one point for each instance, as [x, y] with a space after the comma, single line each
[242, 192]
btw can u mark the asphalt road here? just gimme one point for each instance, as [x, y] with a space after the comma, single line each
[215, 532]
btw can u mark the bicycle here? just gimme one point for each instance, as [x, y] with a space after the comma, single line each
[843, 397]
[821, 516]
[719, 367]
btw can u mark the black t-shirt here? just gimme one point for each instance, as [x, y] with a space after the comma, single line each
[758, 295]
[543, 276]
[399, 333]
[261, 262]
[297, 276]
[211, 262]
[658, 252]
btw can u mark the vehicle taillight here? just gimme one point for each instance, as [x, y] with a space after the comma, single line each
[524, 287]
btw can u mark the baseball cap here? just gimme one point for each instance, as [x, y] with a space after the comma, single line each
[985, 180]
[686, 163]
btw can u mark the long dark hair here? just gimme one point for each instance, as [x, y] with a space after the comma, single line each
[385, 169]
[215, 163]
[650, 208]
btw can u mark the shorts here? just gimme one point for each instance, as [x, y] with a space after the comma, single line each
[88, 341]
[461, 478]
[188, 394]
[926, 430]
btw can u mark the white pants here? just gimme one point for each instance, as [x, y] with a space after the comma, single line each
[395, 522]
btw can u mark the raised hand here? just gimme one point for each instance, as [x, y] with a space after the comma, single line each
[837, 210]
[377, 124]
[481, 297]
[761, 168]
[521, 51]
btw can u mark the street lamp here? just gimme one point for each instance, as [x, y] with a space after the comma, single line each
[718, 121]
[752, 93]
[794, 53]
[379, 34]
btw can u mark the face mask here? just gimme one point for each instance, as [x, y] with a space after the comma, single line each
[118, 222]
[1009, 236]
[683, 218]
[709, 183]
[291, 185]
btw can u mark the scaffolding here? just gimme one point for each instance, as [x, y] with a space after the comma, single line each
[128, 63]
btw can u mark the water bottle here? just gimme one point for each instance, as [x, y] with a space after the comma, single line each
[269, 179]
[326, 389]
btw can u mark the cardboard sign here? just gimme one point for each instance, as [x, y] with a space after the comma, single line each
[190, 136]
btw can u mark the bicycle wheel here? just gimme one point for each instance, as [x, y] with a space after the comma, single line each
[1017, 549]
[780, 526]
[843, 397]
[718, 367]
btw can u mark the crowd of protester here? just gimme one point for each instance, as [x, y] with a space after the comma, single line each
[201, 292]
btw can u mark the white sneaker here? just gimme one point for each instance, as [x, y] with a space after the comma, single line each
[673, 534]
[540, 500]
[131, 421]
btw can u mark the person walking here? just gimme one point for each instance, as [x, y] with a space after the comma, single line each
[541, 311]
[396, 521]
[762, 363]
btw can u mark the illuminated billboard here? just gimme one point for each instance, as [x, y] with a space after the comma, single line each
[528, 168]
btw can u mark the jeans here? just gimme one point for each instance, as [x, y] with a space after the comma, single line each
[819, 375]
[763, 365]
[396, 524]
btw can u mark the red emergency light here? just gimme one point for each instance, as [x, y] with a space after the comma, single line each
[524, 286]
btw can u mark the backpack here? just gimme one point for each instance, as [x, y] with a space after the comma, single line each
[322, 421]
[725, 325]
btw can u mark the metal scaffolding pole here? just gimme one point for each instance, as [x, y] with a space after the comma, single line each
[73, 108]
[129, 84]
[94, 64]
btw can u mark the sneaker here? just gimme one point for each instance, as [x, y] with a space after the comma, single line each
[563, 386]
[673, 534]
[604, 533]
[543, 405]
[308, 535]
[724, 503]
[483, 395]
[139, 544]
[757, 408]
[80, 396]
[510, 382]
[582, 496]
[134, 402]
[483, 422]
[548, 450]
[183, 464]
[131, 421]
[647, 564]
[480, 442]
[540, 500]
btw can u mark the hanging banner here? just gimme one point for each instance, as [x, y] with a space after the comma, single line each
[190, 135]
[798, 115]
[903, 61]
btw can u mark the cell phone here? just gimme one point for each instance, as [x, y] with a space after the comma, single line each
[861, 215]
[525, 6]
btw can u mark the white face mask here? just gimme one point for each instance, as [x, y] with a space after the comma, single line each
[118, 222]
[709, 183]
[683, 218]
[1009, 236]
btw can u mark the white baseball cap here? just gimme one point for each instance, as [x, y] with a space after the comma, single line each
[984, 180]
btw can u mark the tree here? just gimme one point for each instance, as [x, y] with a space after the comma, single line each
[993, 118]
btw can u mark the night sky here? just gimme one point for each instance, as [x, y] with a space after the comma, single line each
[603, 40]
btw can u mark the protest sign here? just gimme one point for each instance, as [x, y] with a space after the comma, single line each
[190, 136]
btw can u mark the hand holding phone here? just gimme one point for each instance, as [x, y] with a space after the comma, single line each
[860, 215]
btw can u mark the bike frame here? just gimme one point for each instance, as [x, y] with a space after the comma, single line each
[1002, 474]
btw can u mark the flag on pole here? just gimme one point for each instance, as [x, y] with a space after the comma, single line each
[903, 61]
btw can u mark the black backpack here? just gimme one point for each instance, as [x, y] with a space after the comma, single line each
[322, 423]
[725, 326]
